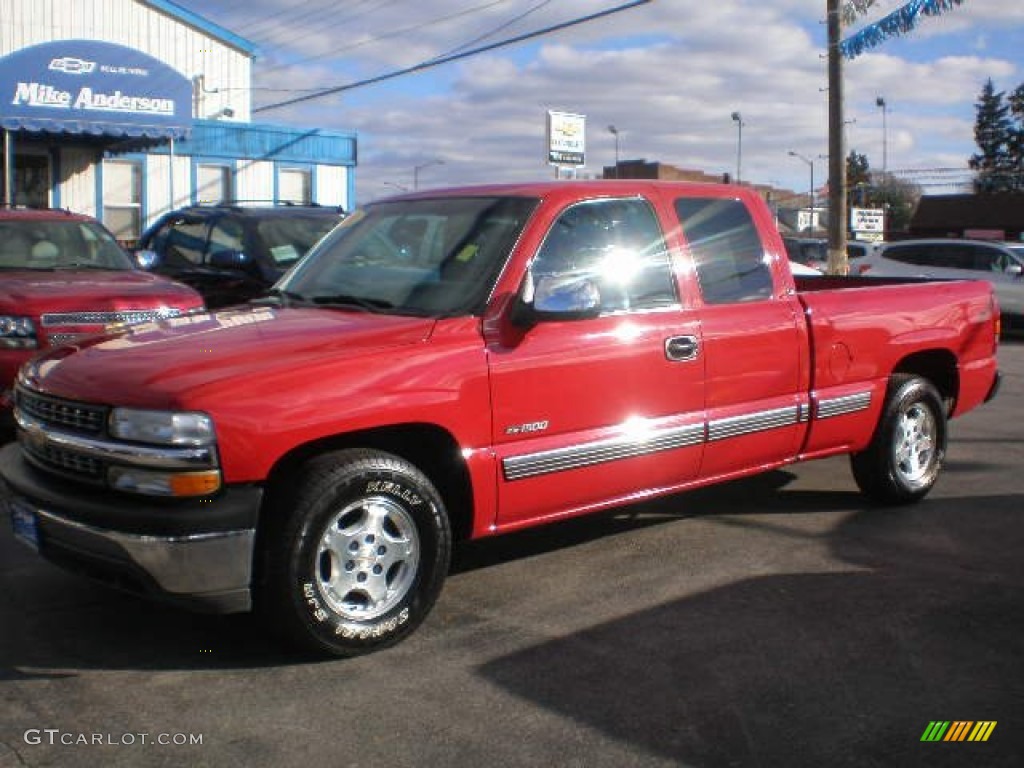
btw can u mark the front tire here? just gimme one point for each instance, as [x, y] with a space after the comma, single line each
[904, 458]
[356, 561]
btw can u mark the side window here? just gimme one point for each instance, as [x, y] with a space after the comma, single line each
[907, 254]
[726, 250]
[226, 235]
[987, 259]
[181, 242]
[613, 246]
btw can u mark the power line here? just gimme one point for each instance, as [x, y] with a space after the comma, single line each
[454, 57]
[500, 28]
[265, 24]
[394, 33]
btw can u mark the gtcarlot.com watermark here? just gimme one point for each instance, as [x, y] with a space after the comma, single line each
[57, 737]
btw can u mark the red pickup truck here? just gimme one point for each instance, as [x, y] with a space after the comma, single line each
[460, 363]
[63, 276]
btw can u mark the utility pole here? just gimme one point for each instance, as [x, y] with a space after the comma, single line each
[837, 261]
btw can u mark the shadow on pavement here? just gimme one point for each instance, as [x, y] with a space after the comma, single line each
[796, 670]
[58, 622]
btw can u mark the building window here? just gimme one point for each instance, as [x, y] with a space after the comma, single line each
[295, 185]
[122, 199]
[213, 184]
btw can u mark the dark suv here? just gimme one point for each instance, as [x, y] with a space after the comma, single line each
[229, 252]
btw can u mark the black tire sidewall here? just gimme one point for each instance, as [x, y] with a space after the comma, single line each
[316, 507]
[903, 397]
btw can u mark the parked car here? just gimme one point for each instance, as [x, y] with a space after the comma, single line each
[813, 252]
[62, 277]
[523, 354]
[231, 253]
[1001, 264]
[809, 251]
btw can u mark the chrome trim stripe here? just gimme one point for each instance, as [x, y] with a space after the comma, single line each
[736, 426]
[105, 318]
[840, 406]
[36, 432]
[576, 456]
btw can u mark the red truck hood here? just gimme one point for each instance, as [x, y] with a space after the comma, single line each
[176, 362]
[35, 292]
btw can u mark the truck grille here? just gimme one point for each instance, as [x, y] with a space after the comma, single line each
[64, 462]
[129, 316]
[62, 414]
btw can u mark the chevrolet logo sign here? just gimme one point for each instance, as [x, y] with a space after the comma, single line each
[72, 66]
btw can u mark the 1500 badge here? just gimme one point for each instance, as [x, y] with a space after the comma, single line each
[533, 426]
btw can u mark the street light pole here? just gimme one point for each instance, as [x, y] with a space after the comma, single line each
[810, 164]
[738, 119]
[417, 168]
[880, 102]
[615, 132]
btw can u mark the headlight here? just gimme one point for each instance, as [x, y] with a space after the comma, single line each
[17, 332]
[161, 427]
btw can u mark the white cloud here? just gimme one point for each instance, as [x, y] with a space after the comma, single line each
[667, 74]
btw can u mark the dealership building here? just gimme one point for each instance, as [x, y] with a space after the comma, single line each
[126, 109]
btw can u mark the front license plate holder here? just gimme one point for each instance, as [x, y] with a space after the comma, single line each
[25, 522]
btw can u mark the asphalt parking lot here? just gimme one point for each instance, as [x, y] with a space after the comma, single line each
[777, 621]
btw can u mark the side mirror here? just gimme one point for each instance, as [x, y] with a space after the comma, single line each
[1015, 269]
[147, 259]
[229, 260]
[556, 297]
[566, 297]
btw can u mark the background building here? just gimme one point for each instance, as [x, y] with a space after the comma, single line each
[126, 109]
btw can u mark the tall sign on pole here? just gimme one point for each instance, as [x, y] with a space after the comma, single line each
[566, 139]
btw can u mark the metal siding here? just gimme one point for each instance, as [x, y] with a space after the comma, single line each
[78, 185]
[254, 180]
[331, 186]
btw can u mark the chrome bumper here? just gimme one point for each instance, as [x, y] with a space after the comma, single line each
[214, 563]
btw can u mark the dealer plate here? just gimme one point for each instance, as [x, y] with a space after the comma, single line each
[25, 523]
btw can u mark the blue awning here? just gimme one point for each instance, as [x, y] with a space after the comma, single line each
[86, 87]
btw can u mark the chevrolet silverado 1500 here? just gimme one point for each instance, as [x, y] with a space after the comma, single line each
[460, 363]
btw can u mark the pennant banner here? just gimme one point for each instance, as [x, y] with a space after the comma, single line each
[897, 23]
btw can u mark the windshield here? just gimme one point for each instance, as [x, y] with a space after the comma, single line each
[48, 244]
[436, 257]
[287, 238]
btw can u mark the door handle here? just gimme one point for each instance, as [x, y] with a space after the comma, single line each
[681, 348]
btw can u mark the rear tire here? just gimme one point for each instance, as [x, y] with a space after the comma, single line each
[359, 556]
[905, 456]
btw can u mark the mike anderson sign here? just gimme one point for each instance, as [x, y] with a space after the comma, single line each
[85, 86]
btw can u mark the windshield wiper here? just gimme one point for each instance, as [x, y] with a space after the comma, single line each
[356, 302]
[278, 296]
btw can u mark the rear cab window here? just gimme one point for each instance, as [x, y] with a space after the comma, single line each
[726, 248]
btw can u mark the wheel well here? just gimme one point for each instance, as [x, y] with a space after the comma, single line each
[940, 368]
[430, 448]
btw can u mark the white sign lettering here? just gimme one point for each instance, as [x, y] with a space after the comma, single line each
[41, 95]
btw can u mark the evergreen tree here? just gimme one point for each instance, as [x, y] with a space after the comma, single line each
[1016, 140]
[992, 133]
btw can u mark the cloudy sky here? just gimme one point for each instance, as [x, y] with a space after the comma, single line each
[668, 74]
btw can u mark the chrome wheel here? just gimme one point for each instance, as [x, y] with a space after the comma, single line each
[367, 558]
[904, 458]
[914, 443]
